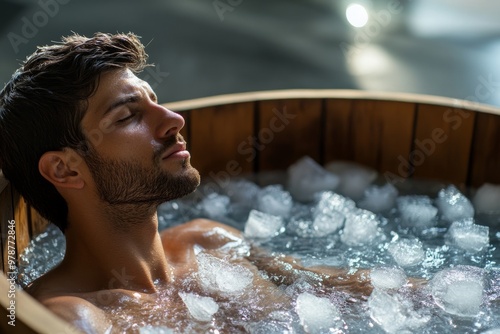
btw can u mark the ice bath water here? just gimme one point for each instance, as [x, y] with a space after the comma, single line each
[424, 233]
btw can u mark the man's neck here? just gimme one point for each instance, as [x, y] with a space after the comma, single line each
[110, 251]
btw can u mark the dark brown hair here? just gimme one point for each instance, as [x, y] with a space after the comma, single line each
[42, 106]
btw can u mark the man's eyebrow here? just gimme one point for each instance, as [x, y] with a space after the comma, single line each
[131, 98]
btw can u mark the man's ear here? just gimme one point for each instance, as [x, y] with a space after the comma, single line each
[62, 168]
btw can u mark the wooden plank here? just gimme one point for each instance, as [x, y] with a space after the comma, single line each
[38, 223]
[287, 131]
[373, 133]
[219, 138]
[6, 214]
[442, 143]
[485, 157]
[22, 223]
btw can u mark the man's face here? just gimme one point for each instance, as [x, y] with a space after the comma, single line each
[137, 154]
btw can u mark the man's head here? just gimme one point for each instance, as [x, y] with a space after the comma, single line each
[65, 103]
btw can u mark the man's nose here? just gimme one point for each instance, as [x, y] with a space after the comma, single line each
[167, 122]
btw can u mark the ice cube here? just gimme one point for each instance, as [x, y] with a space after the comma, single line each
[242, 191]
[379, 199]
[317, 314]
[394, 313]
[201, 308]
[263, 225]
[487, 198]
[221, 276]
[407, 252]
[417, 211]
[468, 236]
[360, 227]
[306, 177]
[453, 205]
[354, 178]
[459, 290]
[387, 278]
[215, 206]
[327, 223]
[331, 202]
[275, 201]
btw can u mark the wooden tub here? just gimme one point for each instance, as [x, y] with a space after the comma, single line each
[400, 135]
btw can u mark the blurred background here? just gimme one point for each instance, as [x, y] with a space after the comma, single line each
[208, 47]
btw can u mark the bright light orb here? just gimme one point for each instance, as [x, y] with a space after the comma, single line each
[357, 15]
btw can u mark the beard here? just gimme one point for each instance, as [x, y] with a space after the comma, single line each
[120, 182]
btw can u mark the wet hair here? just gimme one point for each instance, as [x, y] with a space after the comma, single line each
[42, 106]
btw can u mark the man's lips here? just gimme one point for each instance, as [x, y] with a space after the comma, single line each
[178, 149]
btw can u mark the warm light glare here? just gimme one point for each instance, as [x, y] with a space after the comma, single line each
[356, 15]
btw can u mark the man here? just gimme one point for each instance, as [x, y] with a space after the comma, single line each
[86, 143]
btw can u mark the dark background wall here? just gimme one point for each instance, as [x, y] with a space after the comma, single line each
[209, 47]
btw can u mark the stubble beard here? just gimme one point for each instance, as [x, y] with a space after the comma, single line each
[131, 190]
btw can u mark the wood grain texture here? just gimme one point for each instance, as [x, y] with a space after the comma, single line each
[442, 143]
[485, 157]
[22, 222]
[287, 131]
[373, 133]
[219, 136]
[6, 214]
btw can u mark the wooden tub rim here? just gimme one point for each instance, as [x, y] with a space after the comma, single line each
[352, 94]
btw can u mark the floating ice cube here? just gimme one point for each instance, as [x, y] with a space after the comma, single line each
[317, 314]
[327, 223]
[215, 205]
[306, 177]
[459, 290]
[388, 278]
[487, 198]
[220, 276]
[242, 191]
[275, 201]
[468, 236]
[453, 205]
[407, 252]
[201, 308]
[360, 227]
[394, 313]
[354, 178]
[331, 202]
[379, 199]
[417, 211]
[263, 225]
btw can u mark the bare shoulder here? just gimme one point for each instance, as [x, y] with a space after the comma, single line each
[204, 232]
[79, 312]
[52, 292]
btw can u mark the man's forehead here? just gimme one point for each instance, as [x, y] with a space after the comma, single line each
[113, 85]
